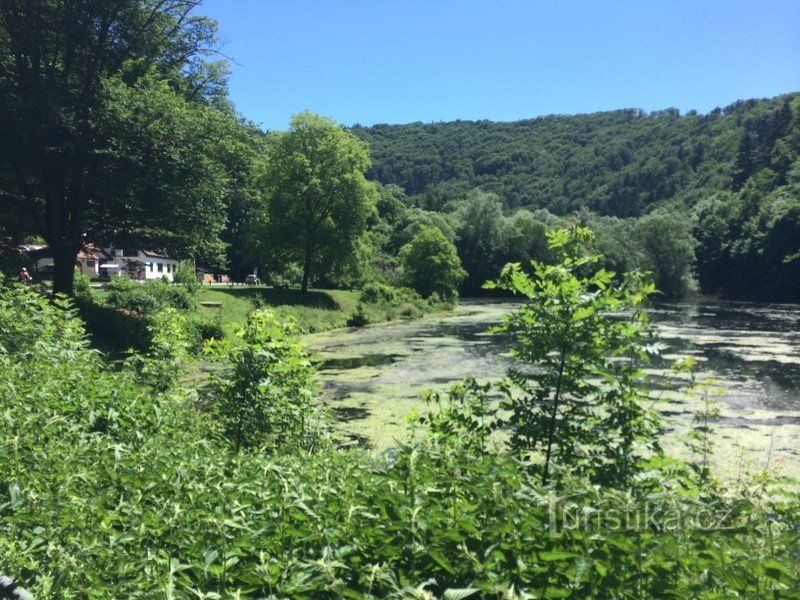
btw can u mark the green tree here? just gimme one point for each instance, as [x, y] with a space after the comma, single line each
[580, 406]
[479, 237]
[62, 66]
[317, 200]
[669, 251]
[430, 264]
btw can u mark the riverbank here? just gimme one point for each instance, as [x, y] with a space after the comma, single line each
[316, 310]
[373, 379]
[118, 319]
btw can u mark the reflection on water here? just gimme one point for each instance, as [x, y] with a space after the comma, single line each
[754, 350]
[368, 360]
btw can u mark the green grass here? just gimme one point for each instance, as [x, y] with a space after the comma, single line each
[315, 310]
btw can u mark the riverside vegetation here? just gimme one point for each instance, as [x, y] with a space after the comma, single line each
[120, 482]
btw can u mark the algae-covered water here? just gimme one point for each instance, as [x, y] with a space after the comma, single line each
[373, 378]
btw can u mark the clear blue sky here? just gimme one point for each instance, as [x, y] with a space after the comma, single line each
[399, 61]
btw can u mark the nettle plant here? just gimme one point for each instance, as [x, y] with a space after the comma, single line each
[266, 400]
[577, 401]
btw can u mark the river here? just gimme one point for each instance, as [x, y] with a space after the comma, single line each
[373, 378]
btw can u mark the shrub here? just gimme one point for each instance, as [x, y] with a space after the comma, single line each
[149, 297]
[359, 318]
[266, 400]
[81, 288]
[200, 331]
[185, 276]
[373, 293]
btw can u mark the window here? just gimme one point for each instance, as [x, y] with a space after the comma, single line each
[160, 267]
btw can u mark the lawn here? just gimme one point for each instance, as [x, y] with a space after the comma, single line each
[314, 310]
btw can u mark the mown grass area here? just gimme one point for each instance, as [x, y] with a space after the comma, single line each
[314, 310]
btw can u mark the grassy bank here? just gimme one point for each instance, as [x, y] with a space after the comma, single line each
[118, 319]
[314, 310]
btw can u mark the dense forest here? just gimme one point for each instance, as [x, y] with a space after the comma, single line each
[728, 181]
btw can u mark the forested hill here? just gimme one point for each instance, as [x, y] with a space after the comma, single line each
[616, 163]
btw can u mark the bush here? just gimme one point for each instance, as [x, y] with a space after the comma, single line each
[149, 297]
[200, 331]
[81, 288]
[185, 276]
[379, 302]
[266, 401]
[580, 403]
[372, 293]
[113, 330]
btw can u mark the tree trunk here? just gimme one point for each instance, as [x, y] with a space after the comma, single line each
[307, 262]
[306, 269]
[64, 258]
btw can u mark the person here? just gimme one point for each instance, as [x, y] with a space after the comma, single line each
[24, 276]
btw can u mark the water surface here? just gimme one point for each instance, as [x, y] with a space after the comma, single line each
[372, 378]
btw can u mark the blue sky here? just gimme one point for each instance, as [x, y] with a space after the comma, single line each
[400, 61]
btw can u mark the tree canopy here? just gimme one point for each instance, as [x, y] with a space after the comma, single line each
[316, 198]
[114, 121]
[430, 264]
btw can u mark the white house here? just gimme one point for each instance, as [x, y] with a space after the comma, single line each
[93, 261]
[138, 264]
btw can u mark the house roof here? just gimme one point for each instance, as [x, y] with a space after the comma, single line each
[207, 269]
[157, 254]
[92, 252]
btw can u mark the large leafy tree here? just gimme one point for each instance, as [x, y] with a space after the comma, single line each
[96, 104]
[430, 264]
[317, 200]
[669, 251]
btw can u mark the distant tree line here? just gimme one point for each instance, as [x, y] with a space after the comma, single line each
[700, 200]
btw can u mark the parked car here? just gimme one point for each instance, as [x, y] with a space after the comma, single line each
[252, 280]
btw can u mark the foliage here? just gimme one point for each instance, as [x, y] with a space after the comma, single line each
[668, 246]
[735, 168]
[110, 489]
[83, 290]
[170, 343]
[699, 438]
[317, 200]
[430, 264]
[147, 298]
[115, 124]
[200, 330]
[614, 163]
[577, 402]
[466, 418]
[265, 403]
[745, 239]
[379, 302]
[185, 275]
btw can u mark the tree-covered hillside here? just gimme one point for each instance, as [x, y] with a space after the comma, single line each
[616, 163]
[708, 201]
